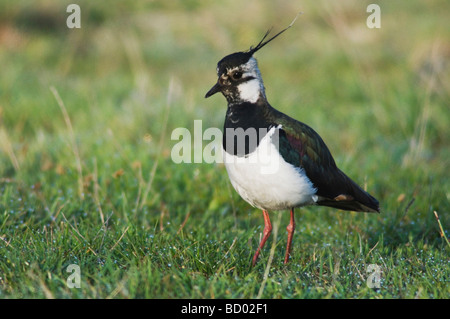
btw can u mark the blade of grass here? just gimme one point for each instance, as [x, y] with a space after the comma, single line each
[170, 96]
[96, 197]
[74, 146]
[441, 229]
[272, 252]
[7, 147]
[120, 238]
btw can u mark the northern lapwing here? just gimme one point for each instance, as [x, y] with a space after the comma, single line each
[286, 164]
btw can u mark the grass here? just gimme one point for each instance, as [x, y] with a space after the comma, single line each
[86, 176]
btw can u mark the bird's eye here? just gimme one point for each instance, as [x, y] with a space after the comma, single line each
[237, 75]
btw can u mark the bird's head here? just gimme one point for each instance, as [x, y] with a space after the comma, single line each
[239, 78]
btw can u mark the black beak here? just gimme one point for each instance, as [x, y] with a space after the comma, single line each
[213, 90]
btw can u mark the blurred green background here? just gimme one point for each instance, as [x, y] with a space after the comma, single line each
[86, 175]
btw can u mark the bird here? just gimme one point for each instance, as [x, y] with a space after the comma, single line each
[274, 161]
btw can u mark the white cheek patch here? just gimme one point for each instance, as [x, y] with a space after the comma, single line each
[250, 91]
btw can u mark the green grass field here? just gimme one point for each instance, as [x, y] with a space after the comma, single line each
[86, 175]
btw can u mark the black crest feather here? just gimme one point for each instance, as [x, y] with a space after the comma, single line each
[262, 43]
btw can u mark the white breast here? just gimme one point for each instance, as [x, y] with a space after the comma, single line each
[266, 181]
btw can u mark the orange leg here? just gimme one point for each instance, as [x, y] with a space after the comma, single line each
[290, 229]
[266, 234]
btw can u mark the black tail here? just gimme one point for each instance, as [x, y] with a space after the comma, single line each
[354, 199]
